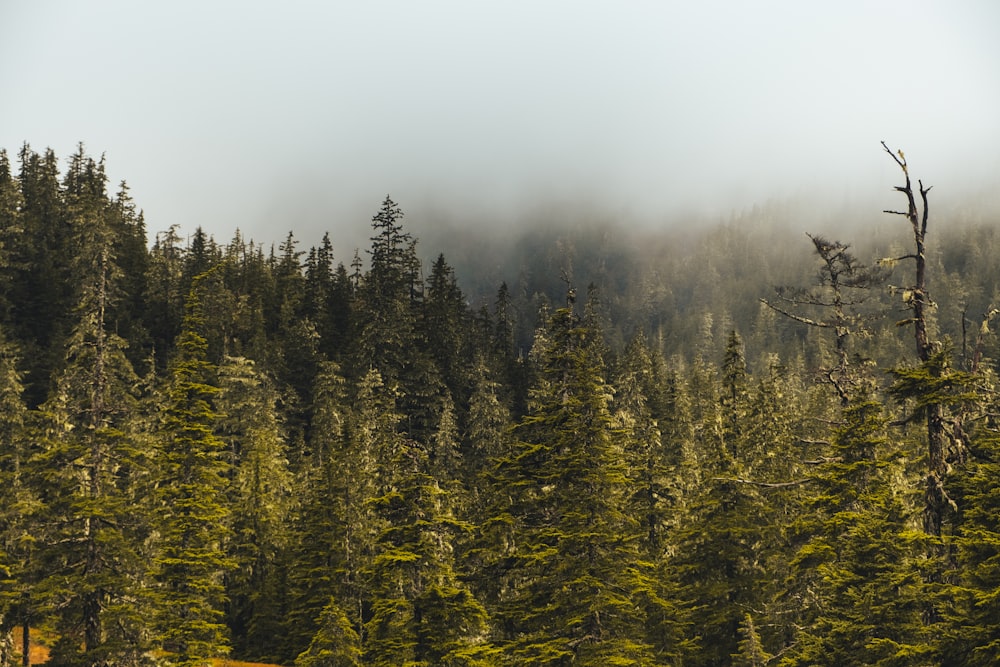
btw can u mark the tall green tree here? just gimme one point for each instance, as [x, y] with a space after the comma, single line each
[42, 294]
[17, 503]
[566, 550]
[192, 509]
[261, 502]
[94, 458]
[860, 572]
[321, 570]
[11, 203]
[421, 614]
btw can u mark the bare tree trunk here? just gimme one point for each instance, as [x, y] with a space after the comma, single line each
[935, 499]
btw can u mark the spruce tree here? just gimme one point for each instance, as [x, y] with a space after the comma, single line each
[94, 458]
[192, 509]
[335, 644]
[860, 573]
[322, 523]
[571, 580]
[260, 498]
[421, 614]
[17, 503]
[41, 293]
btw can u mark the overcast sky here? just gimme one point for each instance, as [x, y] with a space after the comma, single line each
[300, 115]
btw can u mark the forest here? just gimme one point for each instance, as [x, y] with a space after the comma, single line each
[743, 444]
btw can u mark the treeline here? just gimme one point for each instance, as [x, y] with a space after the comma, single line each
[221, 448]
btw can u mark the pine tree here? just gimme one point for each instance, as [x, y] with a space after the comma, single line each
[862, 568]
[751, 653]
[191, 505]
[421, 614]
[41, 296]
[335, 644]
[323, 524]
[974, 631]
[261, 507]
[165, 296]
[385, 336]
[93, 459]
[718, 553]
[11, 231]
[654, 498]
[17, 502]
[444, 325]
[571, 576]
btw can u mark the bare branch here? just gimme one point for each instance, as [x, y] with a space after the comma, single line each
[825, 459]
[797, 318]
[807, 441]
[900, 162]
[768, 485]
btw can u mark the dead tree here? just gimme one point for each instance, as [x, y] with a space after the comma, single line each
[842, 285]
[917, 299]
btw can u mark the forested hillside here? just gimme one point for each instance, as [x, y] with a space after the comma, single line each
[749, 444]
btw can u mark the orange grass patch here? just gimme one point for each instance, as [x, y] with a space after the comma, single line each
[39, 654]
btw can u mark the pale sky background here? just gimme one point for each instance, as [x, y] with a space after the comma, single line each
[299, 115]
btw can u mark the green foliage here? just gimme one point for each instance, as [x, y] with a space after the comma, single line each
[260, 501]
[192, 512]
[334, 466]
[336, 644]
[570, 564]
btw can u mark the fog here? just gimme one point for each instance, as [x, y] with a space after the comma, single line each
[270, 117]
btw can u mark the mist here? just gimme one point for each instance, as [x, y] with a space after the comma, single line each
[496, 118]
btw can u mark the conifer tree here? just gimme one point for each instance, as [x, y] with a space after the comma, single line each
[11, 231]
[751, 652]
[861, 570]
[349, 448]
[335, 644]
[973, 632]
[568, 556]
[42, 293]
[653, 499]
[421, 614]
[444, 325]
[321, 524]
[165, 297]
[17, 502]
[261, 507]
[386, 336]
[94, 457]
[192, 512]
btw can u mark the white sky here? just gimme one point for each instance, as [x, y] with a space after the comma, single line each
[299, 115]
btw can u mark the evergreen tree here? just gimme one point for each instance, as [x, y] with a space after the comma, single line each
[261, 507]
[751, 653]
[17, 502]
[191, 504]
[445, 324]
[974, 632]
[93, 458]
[336, 644]
[571, 574]
[11, 231]
[325, 520]
[385, 338]
[421, 614]
[41, 296]
[165, 300]
[861, 570]
[653, 499]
